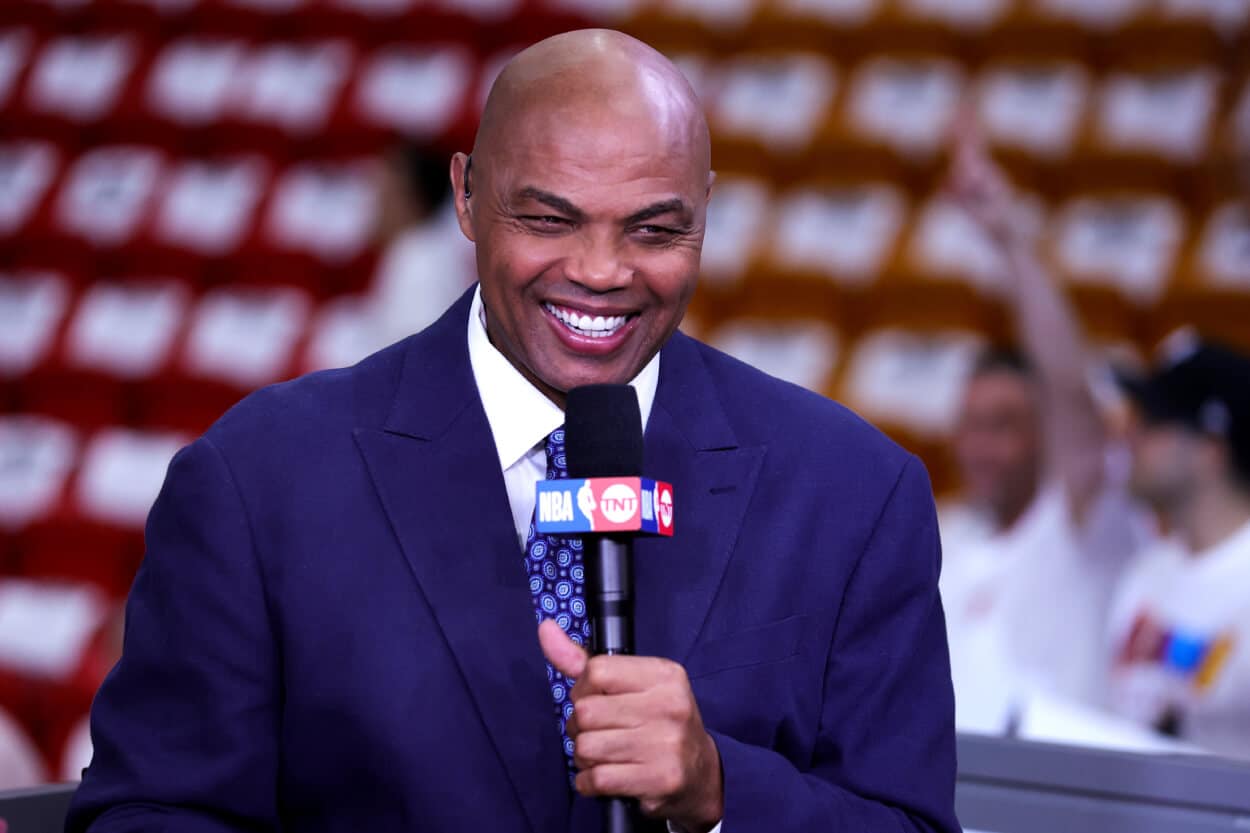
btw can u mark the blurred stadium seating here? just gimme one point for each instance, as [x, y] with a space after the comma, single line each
[186, 213]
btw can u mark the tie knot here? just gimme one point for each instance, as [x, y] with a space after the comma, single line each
[557, 463]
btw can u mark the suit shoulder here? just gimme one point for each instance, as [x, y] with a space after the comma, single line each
[781, 414]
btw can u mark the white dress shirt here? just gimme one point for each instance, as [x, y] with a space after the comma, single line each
[521, 416]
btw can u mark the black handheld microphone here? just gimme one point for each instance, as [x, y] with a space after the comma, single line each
[603, 438]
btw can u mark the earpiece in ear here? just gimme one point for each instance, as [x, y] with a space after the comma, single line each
[468, 166]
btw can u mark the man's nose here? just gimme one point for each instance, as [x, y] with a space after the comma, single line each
[600, 265]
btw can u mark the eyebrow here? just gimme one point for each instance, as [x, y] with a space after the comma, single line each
[676, 205]
[552, 201]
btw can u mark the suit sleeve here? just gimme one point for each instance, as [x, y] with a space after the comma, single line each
[884, 759]
[185, 727]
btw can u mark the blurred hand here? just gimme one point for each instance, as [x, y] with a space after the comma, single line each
[980, 186]
[637, 733]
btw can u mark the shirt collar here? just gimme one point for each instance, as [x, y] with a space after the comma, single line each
[519, 414]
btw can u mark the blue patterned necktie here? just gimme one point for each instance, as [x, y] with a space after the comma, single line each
[557, 584]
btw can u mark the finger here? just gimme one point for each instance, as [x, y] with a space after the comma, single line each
[610, 746]
[565, 655]
[624, 780]
[623, 675]
[596, 712]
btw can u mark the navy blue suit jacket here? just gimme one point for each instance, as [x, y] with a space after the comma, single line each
[332, 630]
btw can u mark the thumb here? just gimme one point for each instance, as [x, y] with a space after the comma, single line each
[565, 655]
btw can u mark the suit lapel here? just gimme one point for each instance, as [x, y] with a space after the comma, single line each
[690, 444]
[437, 475]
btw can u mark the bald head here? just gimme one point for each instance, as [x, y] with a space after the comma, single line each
[595, 78]
[587, 201]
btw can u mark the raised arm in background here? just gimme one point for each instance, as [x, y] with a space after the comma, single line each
[1046, 323]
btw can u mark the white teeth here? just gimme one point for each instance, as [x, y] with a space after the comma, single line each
[597, 327]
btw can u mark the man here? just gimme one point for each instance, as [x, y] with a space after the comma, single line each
[334, 626]
[1046, 525]
[1180, 627]
[426, 264]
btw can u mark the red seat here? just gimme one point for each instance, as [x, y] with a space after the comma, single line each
[47, 630]
[28, 175]
[120, 475]
[121, 335]
[17, 46]
[342, 333]
[242, 17]
[106, 200]
[316, 230]
[415, 90]
[238, 339]
[904, 104]
[39, 455]
[79, 80]
[286, 94]
[205, 215]
[69, 547]
[365, 21]
[34, 307]
[844, 232]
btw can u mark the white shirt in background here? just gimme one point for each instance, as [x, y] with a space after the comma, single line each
[421, 273]
[1180, 642]
[1026, 607]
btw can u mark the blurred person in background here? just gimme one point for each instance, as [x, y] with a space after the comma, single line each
[20, 763]
[426, 263]
[1180, 624]
[1045, 526]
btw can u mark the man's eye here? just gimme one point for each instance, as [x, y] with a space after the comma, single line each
[656, 232]
[546, 220]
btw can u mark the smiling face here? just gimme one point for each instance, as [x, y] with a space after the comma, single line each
[588, 218]
[997, 442]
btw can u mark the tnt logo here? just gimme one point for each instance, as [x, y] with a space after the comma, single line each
[619, 503]
[664, 506]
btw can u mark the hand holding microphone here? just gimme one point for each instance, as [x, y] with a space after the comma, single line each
[636, 727]
[637, 732]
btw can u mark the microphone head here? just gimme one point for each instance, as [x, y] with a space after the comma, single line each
[603, 431]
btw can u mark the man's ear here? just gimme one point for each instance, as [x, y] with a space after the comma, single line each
[462, 192]
[711, 181]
